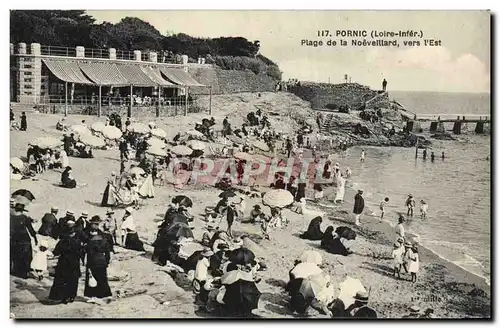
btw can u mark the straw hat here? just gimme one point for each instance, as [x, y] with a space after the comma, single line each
[85, 214]
[70, 212]
[54, 209]
[109, 212]
[400, 240]
[407, 244]
[361, 297]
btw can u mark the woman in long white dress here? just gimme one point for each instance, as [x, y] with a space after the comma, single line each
[339, 196]
[64, 159]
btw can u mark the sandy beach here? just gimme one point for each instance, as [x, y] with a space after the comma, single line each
[143, 289]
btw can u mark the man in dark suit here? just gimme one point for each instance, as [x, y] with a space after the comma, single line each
[360, 307]
[49, 224]
[359, 206]
[81, 226]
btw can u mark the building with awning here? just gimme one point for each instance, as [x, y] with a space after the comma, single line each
[100, 80]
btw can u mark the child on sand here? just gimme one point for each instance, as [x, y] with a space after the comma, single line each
[383, 204]
[413, 263]
[362, 155]
[397, 255]
[39, 262]
[423, 209]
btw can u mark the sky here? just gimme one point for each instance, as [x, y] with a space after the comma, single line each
[460, 64]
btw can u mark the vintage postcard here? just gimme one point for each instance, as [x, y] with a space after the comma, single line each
[250, 164]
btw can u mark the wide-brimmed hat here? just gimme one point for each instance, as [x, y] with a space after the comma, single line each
[408, 244]
[129, 210]
[257, 207]
[361, 297]
[414, 309]
[95, 219]
[85, 214]
[207, 252]
[70, 212]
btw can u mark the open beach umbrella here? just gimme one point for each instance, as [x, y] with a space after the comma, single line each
[160, 133]
[260, 145]
[348, 289]
[311, 257]
[136, 170]
[241, 297]
[346, 232]
[155, 142]
[111, 132]
[235, 139]
[98, 126]
[156, 151]
[182, 200]
[304, 270]
[241, 256]
[195, 133]
[233, 276]
[47, 142]
[17, 163]
[313, 285]
[91, 140]
[182, 150]
[227, 194]
[25, 193]
[21, 200]
[277, 198]
[139, 128]
[80, 129]
[243, 156]
[196, 145]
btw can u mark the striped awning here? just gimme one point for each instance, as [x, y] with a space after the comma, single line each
[154, 74]
[103, 73]
[178, 76]
[135, 75]
[66, 70]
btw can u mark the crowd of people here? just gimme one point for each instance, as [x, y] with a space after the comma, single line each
[227, 262]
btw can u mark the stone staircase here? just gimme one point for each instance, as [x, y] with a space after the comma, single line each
[326, 123]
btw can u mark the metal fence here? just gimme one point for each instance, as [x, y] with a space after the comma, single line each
[102, 54]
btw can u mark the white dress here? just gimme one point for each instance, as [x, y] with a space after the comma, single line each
[39, 261]
[414, 263]
[339, 196]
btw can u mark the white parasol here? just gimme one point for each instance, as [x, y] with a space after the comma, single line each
[136, 170]
[160, 133]
[111, 132]
[182, 150]
[156, 143]
[311, 257]
[47, 142]
[235, 139]
[98, 126]
[260, 145]
[304, 270]
[17, 163]
[196, 145]
[156, 151]
[348, 289]
[277, 198]
[139, 128]
[195, 133]
[90, 140]
[243, 156]
[80, 129]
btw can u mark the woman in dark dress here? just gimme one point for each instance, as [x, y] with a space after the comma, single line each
[67, 179]
[21, 232]
[301, 191]
[67, 273]
[98, 257]
[24, 122]
[314, 230]
[327, 237]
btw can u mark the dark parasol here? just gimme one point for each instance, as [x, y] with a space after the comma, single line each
[241, 297]
[182, 201]
[24, 193]
[241, 256]
[227, 194]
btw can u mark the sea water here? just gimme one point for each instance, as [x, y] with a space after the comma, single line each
[457, 189]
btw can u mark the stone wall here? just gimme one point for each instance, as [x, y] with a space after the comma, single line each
[322, 94]
[231, 81]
